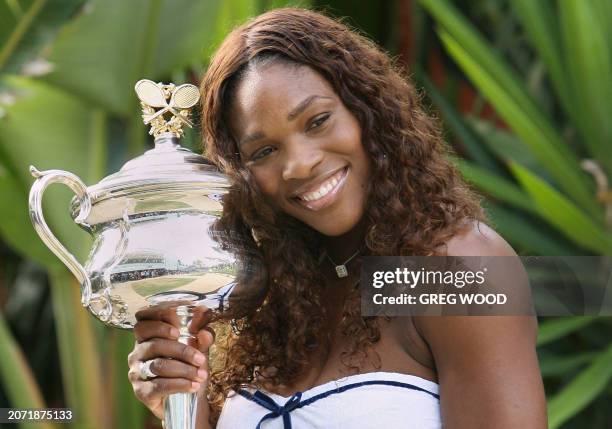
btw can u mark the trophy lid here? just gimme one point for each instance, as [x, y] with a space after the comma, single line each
[168, 172]
[167, 166]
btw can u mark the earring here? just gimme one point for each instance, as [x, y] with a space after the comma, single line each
[254, 235]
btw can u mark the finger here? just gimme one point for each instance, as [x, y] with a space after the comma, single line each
[164, 348]
[165, 313]
[159, 388]
[170, 368]
[206, 338]
[200, 318]
[146, 329]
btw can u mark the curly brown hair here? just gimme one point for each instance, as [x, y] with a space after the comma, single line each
[416, 198]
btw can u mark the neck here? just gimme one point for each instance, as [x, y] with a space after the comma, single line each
[342, 247]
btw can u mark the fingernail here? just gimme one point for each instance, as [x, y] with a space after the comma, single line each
[195, 385]
[174, 332]
[198, 359]
[201, 374]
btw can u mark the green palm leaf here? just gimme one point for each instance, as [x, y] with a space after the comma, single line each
[79, 353]
[538, 19]
[554, 329]
[19, 382]
[503, 89]
[495, 186]
[562, 213]
[583, 389]
[562, 365]
[589, 64]
[101, 54]
[527, 235]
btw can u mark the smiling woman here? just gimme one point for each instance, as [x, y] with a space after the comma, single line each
[301, 144]
[331, 158]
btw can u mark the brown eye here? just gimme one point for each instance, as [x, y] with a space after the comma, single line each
[318, 121]
[261, 153]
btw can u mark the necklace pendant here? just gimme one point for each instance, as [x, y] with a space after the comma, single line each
[341, 271]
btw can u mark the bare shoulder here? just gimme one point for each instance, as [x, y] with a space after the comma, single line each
[489, 362]
[478, 239]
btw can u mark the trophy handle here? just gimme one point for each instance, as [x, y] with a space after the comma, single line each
[44, 179]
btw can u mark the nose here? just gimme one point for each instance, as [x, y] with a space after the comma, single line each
[300, 160]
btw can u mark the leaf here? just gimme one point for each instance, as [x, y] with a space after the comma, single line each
[79, 356]
[457, 124]
[504, 91]
[15, 26]
[50, 129]
[101, 54]
[16, 227]
[231, 14]
[603, 10]
[538, 135]
[17, 378]
[53, 129]
[562, 213]
[538, 19]
[585, 387]
[27, 27]
[273, 4]
[129, 412]
[504, 144]
[561, 365]
[495, 186]
[554, 329]
[589, 62]
[526, 234]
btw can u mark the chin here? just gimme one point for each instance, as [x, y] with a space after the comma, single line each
[331, 227]
[332, 230]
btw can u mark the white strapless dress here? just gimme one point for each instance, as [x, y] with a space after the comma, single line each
[364, 401]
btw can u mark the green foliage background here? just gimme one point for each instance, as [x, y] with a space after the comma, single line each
[67, 70]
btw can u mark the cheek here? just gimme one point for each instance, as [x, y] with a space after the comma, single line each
[348, 135]
[359, 156]
[367, 166]
[266, 182]
[362, 170]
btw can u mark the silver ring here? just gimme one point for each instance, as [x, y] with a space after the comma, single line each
[144, 372]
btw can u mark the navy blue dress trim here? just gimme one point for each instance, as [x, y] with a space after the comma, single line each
[295, 401]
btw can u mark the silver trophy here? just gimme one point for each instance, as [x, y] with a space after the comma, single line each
[155, 240]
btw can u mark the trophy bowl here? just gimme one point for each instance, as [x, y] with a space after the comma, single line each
[155, 239]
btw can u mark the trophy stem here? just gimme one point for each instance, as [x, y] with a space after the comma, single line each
[180, 408]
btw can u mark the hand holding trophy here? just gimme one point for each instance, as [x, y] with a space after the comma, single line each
[156, 245]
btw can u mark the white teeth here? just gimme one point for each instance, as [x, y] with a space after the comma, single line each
[323, 190]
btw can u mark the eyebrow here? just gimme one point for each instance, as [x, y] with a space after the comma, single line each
[303, 105]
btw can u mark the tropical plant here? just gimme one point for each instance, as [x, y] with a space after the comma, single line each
[68, 69]
[545, 164]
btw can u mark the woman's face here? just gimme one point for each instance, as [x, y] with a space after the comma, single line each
[302, 145]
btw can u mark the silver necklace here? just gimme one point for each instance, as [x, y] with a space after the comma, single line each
[341, 270]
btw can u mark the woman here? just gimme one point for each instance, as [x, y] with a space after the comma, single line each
[332, 158]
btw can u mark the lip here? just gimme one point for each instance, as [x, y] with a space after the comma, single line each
[311, 187]
[327, 199]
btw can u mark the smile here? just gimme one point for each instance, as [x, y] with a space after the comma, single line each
[325, 194]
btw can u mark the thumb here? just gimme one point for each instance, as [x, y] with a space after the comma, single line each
[206, 338]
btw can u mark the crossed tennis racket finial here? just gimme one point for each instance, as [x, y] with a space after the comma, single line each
[155, 96]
